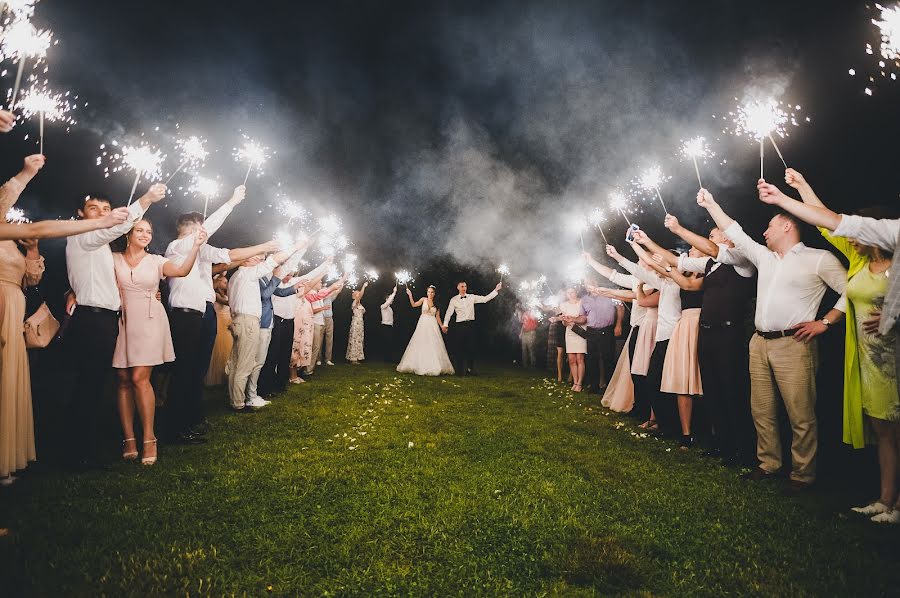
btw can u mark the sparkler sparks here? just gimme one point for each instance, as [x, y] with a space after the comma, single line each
[888, 51]
[503, 270]
[404, 278]
[205, 187]
[47, 106]
[142, 160]
[292, 210]
[371, 274]
[619, 202]
[252, 154]
[330, 225]
[760, 120]
[193, 153]
[19, 9]
[20, 42]
[650, 180]
[597, 217]
[696, 148]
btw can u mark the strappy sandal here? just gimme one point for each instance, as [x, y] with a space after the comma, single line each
[149, 460]
[650, 425]
[130, 455]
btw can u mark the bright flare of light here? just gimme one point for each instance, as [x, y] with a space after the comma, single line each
[252, 154]
[20, 9]
[403, 277]
[16, 216]
[330, 225]
[651, 178]
[54, 106]
[291, 209]
[618, 201]
[696, 148]
[759, 119]
[889, 26]
[333, 272]
[503, 270]
[285, 240]
[192, 150]
[341, 242]
[21, 40]
[205, 187]
[371, 274]
[597, 217]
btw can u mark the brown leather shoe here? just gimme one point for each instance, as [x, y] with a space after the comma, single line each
[758, 474]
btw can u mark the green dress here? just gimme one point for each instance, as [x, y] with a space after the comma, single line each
[870, 384]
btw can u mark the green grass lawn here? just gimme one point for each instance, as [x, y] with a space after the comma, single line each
[365, 482]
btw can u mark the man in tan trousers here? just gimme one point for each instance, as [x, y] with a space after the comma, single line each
[791, 283]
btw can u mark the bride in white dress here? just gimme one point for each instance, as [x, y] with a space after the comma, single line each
[426, 354]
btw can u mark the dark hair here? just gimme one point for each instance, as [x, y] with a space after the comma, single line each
[188, 218]
[120, 244]
[93, 197]
[462, 282]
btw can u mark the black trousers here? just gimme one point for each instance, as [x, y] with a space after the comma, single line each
[210, 332]
[601, 349]
[185, 399]
[664, 406]
[465, 344]
[274, 375]
[641, 408]
[90, 343]
[388, 344]
[722, 352]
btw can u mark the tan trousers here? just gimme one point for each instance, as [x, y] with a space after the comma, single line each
[318, 335]
[245, 330]
[784, 368]
[328, 343]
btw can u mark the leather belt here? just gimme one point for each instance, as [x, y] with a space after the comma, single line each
[97, 310]
[187, 310]
[777, 333]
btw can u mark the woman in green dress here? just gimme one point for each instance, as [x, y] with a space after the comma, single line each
[870, 379]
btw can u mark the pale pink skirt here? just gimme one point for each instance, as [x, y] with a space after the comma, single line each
[646, 340]
[619, 395]
[681, 370]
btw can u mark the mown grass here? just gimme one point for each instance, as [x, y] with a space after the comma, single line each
[364, 482]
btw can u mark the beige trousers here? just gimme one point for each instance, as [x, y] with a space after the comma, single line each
[318, 335]
[245, 330]
[786, 369]
[328, 343]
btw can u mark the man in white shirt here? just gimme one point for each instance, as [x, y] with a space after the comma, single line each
[94, 326]
[463, 305]
[387, 326]
[192, 316]
[792, 281]
[245, 302]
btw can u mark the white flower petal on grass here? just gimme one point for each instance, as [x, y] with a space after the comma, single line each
[352, 448]
[410, 445]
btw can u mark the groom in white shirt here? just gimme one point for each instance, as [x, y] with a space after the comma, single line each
[463, 305]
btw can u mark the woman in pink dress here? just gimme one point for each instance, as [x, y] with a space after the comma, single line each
[301, 349]
[144, 339]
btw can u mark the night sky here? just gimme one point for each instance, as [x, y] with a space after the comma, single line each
[463, 131]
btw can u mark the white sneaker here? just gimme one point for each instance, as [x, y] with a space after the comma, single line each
[876, 508]
[257, 402]
[8, 480]
[328, 363]
[892, 516]
[318, 363]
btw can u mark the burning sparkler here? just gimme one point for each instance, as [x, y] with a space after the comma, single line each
[253, 154]
[205, 187]
[193, 152]
[650, 180]
[404, 278]
[619, 202]
[888, 52]
[597, 217]
[143, 161]
[759, 120]
[48, 106]
[693, 149]
[503, 270]
[371, 274]
[19, 9]
[292, 210]
[20, 42]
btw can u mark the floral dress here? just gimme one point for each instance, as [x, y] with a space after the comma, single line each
[355, 344]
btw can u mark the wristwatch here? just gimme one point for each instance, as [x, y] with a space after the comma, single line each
[668, 268]
[827, 322]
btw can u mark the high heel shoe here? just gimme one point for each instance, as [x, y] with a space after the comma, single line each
[129, 455]
[149, 460]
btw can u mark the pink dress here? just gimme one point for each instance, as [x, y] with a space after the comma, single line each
[144, 337]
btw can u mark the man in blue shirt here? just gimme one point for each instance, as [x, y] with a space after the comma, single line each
[267, 288]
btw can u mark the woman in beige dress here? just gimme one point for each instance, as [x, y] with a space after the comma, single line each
[144, 339]
[216, 374]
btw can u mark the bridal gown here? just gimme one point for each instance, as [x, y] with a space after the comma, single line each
[426, 354]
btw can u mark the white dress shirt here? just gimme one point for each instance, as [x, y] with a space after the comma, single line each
[286, 307]
[628, 281]
[243, 288]
[789, 288]
[89, 263]
[318, 317]
[741, 265]
[195, 290]
[387, 312]
[669, 309]
[464, 306]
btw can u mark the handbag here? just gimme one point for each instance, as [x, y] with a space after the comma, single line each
[40, 328]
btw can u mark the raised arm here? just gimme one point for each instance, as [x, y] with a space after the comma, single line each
[412, 302]
[639, 273]
[12, 189]
[362, 291]
[54, 229]
[687, 283]
[798, 182]
[390, 300]
[489, 296]
[699, 242]
[646, 300]
[657, 265]
[173, 270]
[742, 242]
[817, 215]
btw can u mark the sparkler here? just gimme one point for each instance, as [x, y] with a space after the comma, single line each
[16, 216]
[404, 278]
[888, 25]
[693, 149]
[650, 180]
[22, 41]
[760, 120]
[192, 152]
[205, 187]
[292, 210]
[253, 154]
[143, 161]
[19, 9]
[619, 202]
[580, 225]
[48, 106]
[284, 239]
[503, 270]
[597, 217]
[371, 274]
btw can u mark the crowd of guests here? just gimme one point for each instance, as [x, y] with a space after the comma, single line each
[688, 337]
[249, 317]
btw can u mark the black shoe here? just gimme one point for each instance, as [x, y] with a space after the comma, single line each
[758, 474]
[471, 373]
[686, 441]
[795, 488]
[242, 410]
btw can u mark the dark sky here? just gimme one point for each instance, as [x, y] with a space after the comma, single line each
[464, 129]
